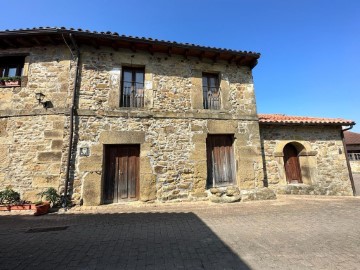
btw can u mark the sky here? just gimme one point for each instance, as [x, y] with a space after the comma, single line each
[310, 49]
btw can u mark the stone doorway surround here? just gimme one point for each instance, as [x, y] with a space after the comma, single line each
[307, 160]
[93, 179]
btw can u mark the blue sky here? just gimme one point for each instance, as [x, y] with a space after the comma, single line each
[310, 63]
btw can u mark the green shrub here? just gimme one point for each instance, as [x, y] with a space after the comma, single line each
[9, 196]
[52, 196]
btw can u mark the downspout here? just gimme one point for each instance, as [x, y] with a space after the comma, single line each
[347, 159]
[72, 111]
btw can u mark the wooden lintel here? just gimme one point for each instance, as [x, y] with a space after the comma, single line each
[9, 43]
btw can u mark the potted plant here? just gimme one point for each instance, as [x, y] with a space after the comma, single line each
[53, 199]
[10, 200]
[11, 81]
[41, 208]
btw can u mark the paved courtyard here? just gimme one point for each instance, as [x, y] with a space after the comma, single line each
[356, 177]
[292, 232]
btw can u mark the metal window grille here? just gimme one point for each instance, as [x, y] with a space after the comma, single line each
[133, 96]
[132, 89]
[211, 92]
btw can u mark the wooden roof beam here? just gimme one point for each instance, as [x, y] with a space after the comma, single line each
[201, 55]
[114, 46]
[216, 57]
[24, 42]
[8, 42]
[133, 47]
[52, 41]
[232, 58]
[94, 44]
[151, 49]
[169, 51]
[186, 53]
[36, 41]
[240, 61]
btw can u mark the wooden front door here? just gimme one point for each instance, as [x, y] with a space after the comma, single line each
[220, 160]
[121, 172]
[292, 164]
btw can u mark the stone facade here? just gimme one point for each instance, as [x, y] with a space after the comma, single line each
[321, 155]
[171, 129]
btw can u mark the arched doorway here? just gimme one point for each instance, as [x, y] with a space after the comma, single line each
[292, 164]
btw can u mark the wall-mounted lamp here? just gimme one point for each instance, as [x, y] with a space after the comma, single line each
[40, 97]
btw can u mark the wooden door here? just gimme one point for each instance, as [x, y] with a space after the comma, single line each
[121, 172]
[292, 164]
[220, 160]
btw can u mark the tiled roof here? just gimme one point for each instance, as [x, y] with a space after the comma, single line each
[287, 119]
[352, 137]
[110, 34]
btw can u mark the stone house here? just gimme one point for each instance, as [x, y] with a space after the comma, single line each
[106, 118]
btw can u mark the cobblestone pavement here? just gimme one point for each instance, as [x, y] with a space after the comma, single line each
[292, 232]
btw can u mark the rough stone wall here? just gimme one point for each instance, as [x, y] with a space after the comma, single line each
[173, 155]
[32, 138]
[355, 166]
[31, 148]
[170, 83]
[322, 161]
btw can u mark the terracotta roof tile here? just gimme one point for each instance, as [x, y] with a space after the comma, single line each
[287, 119]
[352, 137]
[115, 34]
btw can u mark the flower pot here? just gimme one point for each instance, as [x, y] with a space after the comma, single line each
[4, 207]
[22, 207]
[42, 209]
[12, 83]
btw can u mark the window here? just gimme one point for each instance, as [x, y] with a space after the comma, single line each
[211, 91]
[10, 68]
[354, 156]
[132, 87]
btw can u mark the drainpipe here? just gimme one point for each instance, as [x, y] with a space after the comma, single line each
[72, 111]
[347, 159]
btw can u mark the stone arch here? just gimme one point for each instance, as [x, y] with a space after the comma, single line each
[303, 147]
[306, 156]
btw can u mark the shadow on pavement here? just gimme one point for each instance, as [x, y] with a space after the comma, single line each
[113, 241]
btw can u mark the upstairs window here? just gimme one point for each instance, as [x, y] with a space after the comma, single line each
[211, 91]
[132, 87]
[11, 69]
